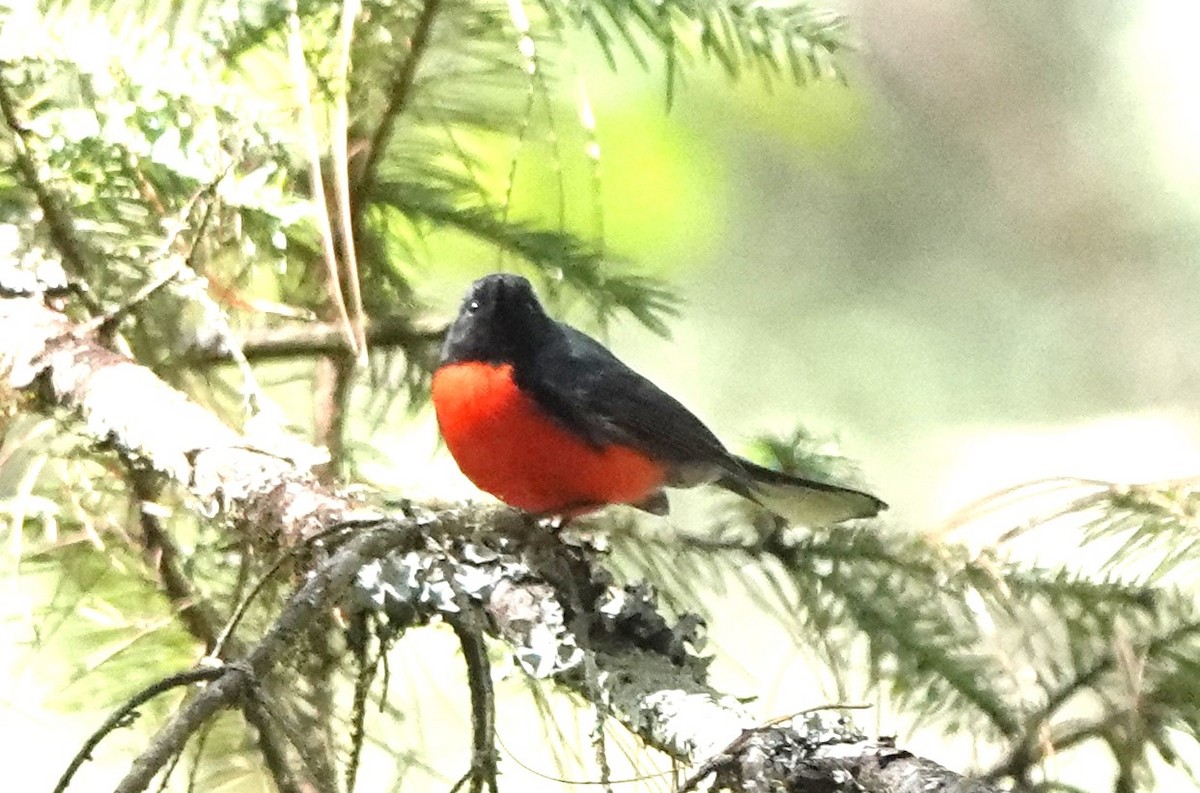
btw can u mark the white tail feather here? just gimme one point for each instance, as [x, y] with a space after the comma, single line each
[807, 506]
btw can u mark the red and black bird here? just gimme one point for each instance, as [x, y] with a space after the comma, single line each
[546, 419]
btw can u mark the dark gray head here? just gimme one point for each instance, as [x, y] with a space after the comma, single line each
[500, 321]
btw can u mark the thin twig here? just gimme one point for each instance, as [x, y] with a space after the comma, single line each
[252, 394]
[199, 620]
[273, 748]
[1026, 749]
[587, 119]
[308, 125]
[527, 46]
[341, 176]
[535, 85]
[317, 769]
[483, 703]
[398, 99]
[244, 605]
[62, 230]
[728, 755]
[125, 715]
[107, 323]
[322, 587]
[601, 705]
[576, 782]
[169, 772]
[201, 744]
[161, 553]
[467, 627]
[368, 666]
[333, 387]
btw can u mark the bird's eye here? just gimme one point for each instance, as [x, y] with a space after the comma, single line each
[473, 305]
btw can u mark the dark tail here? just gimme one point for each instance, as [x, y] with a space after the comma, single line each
[805, 502]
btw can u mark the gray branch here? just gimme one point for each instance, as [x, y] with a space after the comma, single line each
[315, 339]
[549, 600]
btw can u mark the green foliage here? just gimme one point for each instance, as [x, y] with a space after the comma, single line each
[772, 39]
[134, 162]
[564, 261]
[1029, 657]
[803, 454]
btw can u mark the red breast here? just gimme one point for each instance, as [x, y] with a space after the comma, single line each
[507, 446]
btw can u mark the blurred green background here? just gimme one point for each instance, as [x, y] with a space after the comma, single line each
[974, 263]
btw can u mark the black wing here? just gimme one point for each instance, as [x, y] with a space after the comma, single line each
[587, 389]
[590, 391]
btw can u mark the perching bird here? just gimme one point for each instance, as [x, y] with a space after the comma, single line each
[546, 419]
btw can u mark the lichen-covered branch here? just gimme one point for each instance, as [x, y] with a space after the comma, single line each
[551, 600]
[246, 481]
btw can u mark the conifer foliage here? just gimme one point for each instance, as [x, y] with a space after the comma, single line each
[242, 195]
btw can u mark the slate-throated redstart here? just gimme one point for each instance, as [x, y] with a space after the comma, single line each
[548, 420]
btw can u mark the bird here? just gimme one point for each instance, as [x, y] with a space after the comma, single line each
[548, 420]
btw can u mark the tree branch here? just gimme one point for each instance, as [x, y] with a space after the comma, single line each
[198, 619]
[320, 339]
[323, 587]
[258, 489]
[483, 704]
[531, 584]
[159, 551]
[124, 716]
